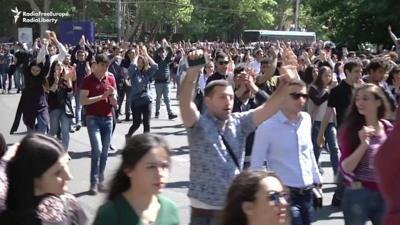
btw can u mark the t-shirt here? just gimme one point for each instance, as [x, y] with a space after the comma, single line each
[340, 99]
[96, 88]
[119, 211]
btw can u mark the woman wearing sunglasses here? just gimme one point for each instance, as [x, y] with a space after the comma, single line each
[256, 198]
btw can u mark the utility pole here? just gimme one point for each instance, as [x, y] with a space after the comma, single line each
[119, 20]
[296, 15]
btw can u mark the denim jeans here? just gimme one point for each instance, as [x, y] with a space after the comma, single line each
[3, 76]
[99, 130]
[19, 78]
[58, 116]
[362, 204]
[78, 107]
[331, 139]
[301, 207]
[42, 123]
[162, 89]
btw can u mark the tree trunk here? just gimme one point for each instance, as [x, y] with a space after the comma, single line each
[46, 5]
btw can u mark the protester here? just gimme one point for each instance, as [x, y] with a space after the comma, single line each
[162, 77]
[37, 184]
[134, 196]
[363, 132]
[387, 167]
[98, 95]
[293, 159]
[319, 94]
[256, 198]
[219, 130]
[141, 73]
[34, 95]
[338, 102]
[60, 106]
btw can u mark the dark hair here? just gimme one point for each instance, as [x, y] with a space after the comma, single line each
[3, 145]
[243, 189]
[135, 149]
[395, 70]
[50, 78]
[354, 121]
[319, 81]
[375, 64]
[209, 89]
[336, 68]
[80, 51]
[220, 55]
[35, 155]
[102, 58]
[238, 70]
[308, 74]
[350, 65]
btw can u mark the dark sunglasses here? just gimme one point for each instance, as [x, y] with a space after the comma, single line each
[296, 96]
[275, 196]
[223, 63]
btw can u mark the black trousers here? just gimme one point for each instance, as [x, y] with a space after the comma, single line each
[140, 115]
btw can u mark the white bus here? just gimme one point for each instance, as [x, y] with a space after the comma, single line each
[273, 35]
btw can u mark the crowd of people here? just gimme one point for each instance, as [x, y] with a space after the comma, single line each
[237, 102]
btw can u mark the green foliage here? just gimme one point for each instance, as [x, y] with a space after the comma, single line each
[63, 6]
[356, 21]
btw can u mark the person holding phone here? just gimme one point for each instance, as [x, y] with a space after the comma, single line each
[98, 94]
[216, 132]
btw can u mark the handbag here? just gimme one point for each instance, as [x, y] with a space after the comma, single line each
[143, 100]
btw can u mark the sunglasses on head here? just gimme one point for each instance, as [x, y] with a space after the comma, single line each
[298, 95]
[223, 63]
[275, 196]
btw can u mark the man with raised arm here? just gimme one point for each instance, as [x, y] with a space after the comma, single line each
[218, 137]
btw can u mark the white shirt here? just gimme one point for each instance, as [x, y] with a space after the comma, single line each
[288, 150]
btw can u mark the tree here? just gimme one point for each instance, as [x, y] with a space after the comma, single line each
[357, 21]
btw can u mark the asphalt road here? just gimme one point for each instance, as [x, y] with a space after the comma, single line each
[175, 133]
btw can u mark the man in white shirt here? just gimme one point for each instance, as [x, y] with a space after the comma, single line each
[284, 143]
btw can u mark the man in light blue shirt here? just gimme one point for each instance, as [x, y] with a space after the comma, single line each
[284, 143]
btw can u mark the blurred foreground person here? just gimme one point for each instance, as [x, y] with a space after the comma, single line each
[37, 183]
[256, 198]
[134, 196]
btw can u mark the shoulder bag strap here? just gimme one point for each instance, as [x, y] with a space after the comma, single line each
[228, 147]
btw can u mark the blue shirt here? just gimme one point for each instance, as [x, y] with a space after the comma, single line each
[287, 149]
[140, 81]
[212, 169]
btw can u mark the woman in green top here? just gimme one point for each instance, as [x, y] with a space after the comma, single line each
[133, 197]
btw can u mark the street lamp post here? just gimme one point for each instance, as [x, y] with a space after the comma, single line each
[119, 20]
[296, 15]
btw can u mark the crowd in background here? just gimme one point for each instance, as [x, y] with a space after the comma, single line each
[236, 106]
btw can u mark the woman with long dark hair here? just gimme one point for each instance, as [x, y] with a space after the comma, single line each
[34, 95]
[37, 183]
[364, 130]
[141, 74]
[319, 94]
[256, 198]
[60, 106]
[134, 195]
